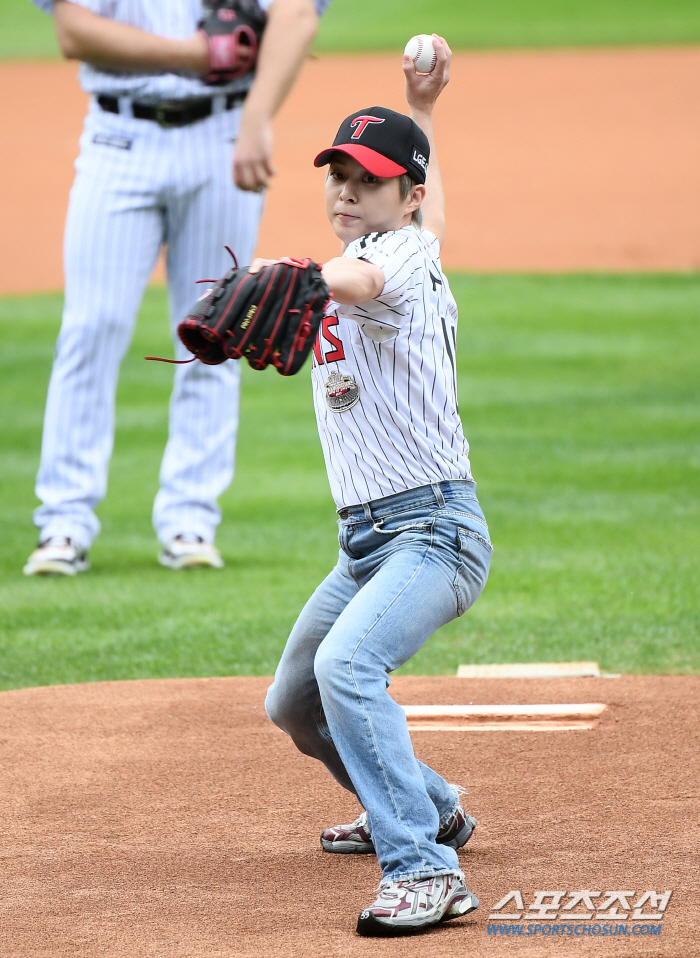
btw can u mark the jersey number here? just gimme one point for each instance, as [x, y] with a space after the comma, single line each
[337, 352]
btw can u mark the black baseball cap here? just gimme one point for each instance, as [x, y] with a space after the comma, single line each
[384, 142]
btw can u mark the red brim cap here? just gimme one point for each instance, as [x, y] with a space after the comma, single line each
[372, 161]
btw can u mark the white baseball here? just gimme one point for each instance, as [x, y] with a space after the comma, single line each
[420, 49]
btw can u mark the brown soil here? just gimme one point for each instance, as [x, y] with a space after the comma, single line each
[553, 161]
[169, 818]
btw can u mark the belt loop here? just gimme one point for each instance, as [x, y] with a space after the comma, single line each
[218, 103]
[437, 491]
[376, 524]
[125, 106]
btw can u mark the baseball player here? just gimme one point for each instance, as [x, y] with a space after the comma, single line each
[157, 165]
[414, 545]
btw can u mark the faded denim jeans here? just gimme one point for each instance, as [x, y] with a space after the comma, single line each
[408, 564]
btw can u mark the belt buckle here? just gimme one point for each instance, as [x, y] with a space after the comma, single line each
[162, 111]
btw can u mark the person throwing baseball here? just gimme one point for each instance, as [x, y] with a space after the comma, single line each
[177, 113]
[414, 545]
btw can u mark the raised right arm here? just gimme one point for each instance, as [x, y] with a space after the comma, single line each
[422, 90]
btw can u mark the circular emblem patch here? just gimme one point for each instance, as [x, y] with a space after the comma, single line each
[342, 392]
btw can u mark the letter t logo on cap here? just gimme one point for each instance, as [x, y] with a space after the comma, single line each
[361, 123]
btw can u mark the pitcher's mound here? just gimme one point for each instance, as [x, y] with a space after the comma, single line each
[169, 818]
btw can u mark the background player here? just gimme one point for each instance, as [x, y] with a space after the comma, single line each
[415, 551]
[156, 166]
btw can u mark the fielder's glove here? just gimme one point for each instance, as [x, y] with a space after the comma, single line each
[233, 30]
[270, 318]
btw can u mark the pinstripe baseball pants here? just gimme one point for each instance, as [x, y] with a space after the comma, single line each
[138, 186]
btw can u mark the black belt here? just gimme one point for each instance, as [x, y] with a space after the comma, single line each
[172, 112]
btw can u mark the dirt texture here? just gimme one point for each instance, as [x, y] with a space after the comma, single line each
[169, 818]
[552, 160]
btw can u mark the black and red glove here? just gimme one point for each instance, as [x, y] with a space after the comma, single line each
[233, 31]
[269, 318]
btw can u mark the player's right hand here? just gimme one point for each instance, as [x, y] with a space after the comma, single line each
[252, 163]
[423, 89]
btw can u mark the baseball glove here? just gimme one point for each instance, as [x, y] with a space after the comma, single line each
[270, 318]
[233, 30]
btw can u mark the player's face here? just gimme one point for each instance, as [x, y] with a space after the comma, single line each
[358, 202]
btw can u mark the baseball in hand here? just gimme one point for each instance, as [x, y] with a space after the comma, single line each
[420, 49]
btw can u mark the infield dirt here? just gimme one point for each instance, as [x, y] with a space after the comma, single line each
[552, 160]
[170, 818]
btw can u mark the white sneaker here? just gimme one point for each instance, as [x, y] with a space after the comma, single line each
[57, 556]
[188, 552]
[404, 907]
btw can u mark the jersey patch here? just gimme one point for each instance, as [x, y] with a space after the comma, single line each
[342, 392]
[108, 139]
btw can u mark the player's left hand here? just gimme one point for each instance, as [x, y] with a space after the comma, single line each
[423, 89]
[252, 163]
[270, 318]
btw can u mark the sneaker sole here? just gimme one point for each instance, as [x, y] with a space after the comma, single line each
[355, 848]
[370, 927]
[347, 848]
[56, 567]
[189, 562]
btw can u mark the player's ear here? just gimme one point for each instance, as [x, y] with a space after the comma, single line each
[415, 197]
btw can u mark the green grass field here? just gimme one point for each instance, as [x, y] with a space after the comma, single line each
[579, 396]
[368, 25]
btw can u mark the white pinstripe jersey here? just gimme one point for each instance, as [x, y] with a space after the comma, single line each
[404, 430]
[168, 18]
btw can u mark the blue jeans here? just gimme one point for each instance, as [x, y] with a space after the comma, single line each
[408, 564]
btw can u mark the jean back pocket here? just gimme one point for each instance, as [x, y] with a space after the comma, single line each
[475, 560]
